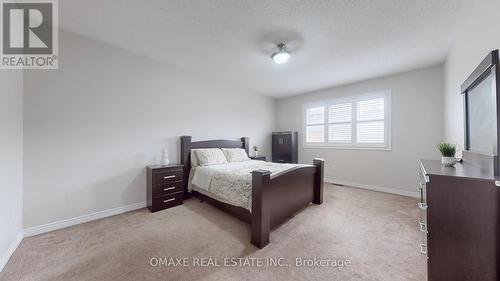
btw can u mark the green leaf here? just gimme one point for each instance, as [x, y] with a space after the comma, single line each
[447, 149]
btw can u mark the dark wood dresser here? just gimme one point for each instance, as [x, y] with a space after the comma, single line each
[165, 186]
[459, 222]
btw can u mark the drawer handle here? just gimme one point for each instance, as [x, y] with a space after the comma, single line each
[423, 249]
[169, 177]
[169, 188]
[420, 186]
[423, 226]
[426, 177]
[423, 206]
[168, 200]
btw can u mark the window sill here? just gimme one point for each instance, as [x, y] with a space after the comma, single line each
[309, 146]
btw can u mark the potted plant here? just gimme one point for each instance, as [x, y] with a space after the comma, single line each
[256, 151]
[448, 152]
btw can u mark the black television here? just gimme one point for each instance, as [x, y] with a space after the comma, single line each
[481, 92]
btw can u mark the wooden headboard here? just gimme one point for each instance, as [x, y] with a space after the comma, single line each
[187, 145]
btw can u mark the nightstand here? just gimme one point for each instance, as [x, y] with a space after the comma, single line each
[261, 158]
[165, 188]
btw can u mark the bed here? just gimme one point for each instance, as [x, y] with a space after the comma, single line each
[261, 193]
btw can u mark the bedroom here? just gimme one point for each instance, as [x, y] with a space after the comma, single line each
[132, 77]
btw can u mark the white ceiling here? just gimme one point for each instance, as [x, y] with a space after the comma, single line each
[333, 42]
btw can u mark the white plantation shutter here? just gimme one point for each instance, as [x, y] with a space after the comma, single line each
[370, 132]
[315, 124]
[371, 109]
[370, 121]
[341, 112]
[361, 121]
[315, 133]
[340, 126]
[316, 115]
[340, 133]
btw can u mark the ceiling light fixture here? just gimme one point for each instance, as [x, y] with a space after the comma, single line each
[282, 55]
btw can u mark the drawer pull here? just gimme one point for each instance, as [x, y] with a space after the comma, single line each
[169, 188]
[168, 200]
[423, 249]
[423, 226]
[423, 206]
[420, 186]
[168, 177]
[426, 177]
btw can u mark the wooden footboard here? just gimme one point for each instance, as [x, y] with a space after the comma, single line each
[276, 199]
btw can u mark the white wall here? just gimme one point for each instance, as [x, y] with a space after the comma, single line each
[417, 126]
[477, 36]
[11, 162]
[92, 126]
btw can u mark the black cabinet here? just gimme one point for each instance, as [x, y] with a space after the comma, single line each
[285, 147]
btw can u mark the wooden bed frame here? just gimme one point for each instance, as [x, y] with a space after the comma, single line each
[274, 200]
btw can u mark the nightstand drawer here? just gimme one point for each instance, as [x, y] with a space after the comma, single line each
[165, 202]
[167, 176]
[167, 188]
[164, 186]
[261, 158]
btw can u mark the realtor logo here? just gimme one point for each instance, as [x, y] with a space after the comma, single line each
[29, 35]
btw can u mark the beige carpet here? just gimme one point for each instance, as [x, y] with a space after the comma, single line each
[377, 232]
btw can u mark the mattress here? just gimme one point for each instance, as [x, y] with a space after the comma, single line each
[231, 183]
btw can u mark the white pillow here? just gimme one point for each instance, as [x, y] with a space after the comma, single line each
[235, 154]
[209, 156]
[194, 159]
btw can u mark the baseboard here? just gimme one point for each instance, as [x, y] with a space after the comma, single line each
[391, 190]
[35, 230]
[6, 257]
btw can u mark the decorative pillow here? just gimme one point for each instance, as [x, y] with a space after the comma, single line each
[235, 154]
[209, 156]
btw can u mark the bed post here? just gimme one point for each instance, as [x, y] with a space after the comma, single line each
[260, 217]
[185, 154]
[245, 142]
[319, 178]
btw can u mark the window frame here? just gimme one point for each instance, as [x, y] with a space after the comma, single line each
[353, 99]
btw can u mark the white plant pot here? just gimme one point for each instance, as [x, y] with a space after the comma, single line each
[448, 161]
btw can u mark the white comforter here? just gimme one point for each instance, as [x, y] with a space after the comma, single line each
[232, 182]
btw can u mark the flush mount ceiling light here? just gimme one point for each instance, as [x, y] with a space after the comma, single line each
[282, 55]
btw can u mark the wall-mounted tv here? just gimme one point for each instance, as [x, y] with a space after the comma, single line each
[482, 108]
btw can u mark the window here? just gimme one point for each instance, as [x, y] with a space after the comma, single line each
[315, 124]
[355, 122]
[339, 123]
